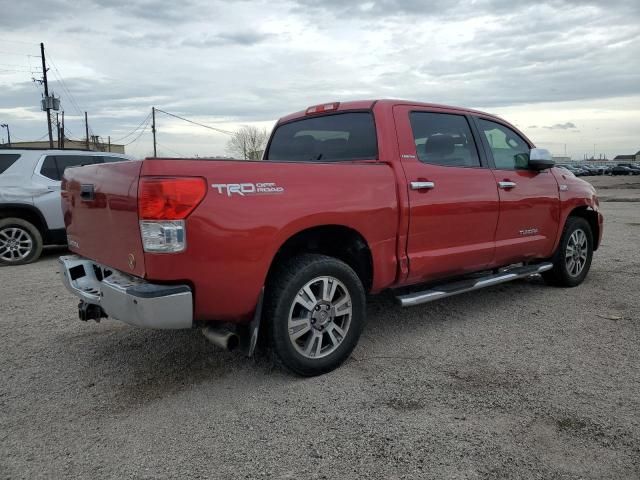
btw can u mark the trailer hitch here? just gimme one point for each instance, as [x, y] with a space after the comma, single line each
[89, 311]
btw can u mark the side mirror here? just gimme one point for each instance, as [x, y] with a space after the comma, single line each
[540, 159]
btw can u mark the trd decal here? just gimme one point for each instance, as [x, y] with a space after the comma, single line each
[244, 189]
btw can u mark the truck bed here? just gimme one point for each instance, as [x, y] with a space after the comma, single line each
[250, 209]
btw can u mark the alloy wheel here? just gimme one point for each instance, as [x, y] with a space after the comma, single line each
[15, 244]
[576, 252]
[319, 317]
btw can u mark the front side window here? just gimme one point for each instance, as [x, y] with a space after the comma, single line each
[6, 160]
[329, 138]
[509, 149]
[444, 139]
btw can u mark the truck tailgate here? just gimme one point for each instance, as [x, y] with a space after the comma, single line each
[101, 214]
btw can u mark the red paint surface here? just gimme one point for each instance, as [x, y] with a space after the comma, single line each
[466, 223]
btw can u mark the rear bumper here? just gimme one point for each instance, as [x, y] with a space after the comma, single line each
[126, 298]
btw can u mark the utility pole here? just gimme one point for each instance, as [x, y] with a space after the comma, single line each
[46, 94]
[6, 125]
[109, 143]
[62, 133]
[86, 129]
[153, 129]
[58, 128]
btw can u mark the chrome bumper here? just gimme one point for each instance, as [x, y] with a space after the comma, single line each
[129, 299]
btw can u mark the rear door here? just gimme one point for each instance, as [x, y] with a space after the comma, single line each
[453, 197]
[529, 199]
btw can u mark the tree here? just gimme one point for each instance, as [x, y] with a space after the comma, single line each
[248, 143]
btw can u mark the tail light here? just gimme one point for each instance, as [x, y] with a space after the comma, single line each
[163, 204]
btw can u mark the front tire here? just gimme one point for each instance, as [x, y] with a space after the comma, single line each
[20, 242]
[315, 310]
[572, 260]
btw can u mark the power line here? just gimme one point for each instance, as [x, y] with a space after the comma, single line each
[172, 151]
[21, 65]
[64, 85]
[140, 134]
[195, 123]
[132, 131]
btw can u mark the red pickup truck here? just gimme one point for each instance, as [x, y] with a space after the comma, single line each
[350, 199]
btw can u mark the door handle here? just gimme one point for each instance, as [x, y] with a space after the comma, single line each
[506, 184]
[422, 185]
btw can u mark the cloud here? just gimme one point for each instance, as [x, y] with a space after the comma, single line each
[253, 61]
[225, 39]
[562, 126]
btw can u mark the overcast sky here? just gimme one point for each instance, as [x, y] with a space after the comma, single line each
[566, 72]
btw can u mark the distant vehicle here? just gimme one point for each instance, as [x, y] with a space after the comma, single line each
[351, 198]
[577, 171]
[592, 169]
[632, 166]
[30, 209]
[620, 170]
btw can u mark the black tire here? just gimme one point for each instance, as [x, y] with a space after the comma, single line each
[560, 275]
[283, 289]
[9, 227]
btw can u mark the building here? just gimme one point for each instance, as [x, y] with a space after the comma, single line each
[72, 144]
[628, 158]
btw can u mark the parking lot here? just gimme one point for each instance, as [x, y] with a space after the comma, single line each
[519, 380]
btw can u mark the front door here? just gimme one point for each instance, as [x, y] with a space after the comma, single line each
[529, 199]
[453, 197]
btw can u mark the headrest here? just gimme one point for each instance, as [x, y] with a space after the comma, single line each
[441, 145]
[302, 145]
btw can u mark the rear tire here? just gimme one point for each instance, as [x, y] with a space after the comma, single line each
[315, 311]
[572, 260]
[20, 242]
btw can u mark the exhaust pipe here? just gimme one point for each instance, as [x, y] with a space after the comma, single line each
[221, 338]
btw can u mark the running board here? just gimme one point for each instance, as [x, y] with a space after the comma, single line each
[461, 286]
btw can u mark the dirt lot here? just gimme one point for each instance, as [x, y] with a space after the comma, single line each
[516, 381]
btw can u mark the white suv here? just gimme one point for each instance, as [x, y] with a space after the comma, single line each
[30, 209]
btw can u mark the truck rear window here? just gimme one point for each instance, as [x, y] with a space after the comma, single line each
[6, 160]
[329, 138]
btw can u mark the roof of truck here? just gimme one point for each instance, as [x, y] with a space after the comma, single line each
[368, 104]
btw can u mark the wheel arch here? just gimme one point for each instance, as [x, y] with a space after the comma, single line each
[591, 216]
[338, 241]
[26, 212]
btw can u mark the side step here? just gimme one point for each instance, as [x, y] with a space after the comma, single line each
[461, 286]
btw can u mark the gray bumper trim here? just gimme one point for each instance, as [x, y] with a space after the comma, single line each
[129, 299]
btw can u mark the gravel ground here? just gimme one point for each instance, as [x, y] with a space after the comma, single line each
[516, 381]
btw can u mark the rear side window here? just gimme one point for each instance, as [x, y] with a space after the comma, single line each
[49, 168]
[6, 160]
[53, 167]
[444, 139]
[330, 138]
